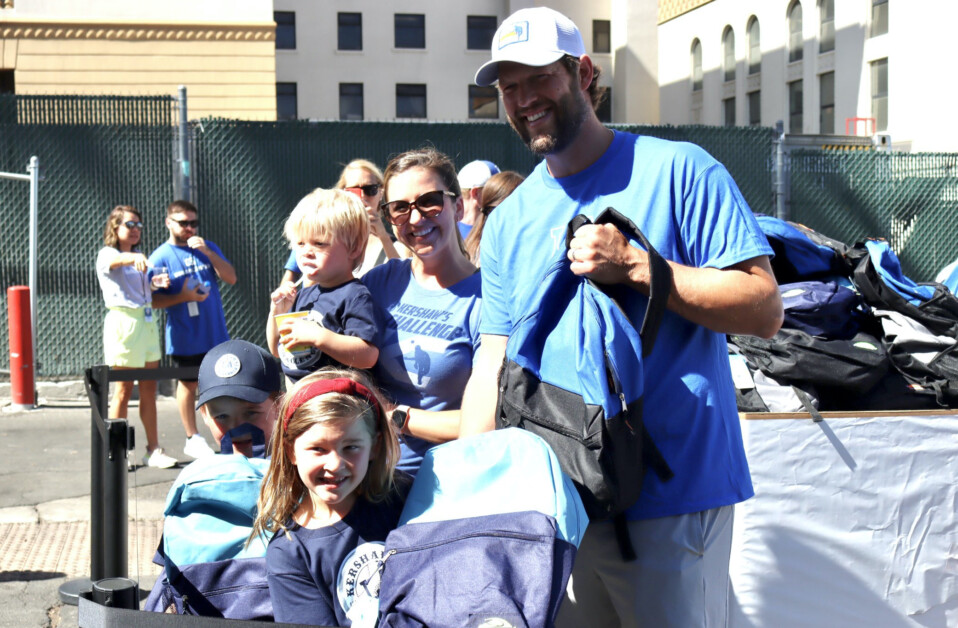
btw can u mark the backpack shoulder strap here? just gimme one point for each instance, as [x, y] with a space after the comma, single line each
[660, 282]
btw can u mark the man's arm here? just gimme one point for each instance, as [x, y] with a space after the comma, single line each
[162, 299]
[224, 270]
[740, 299]
[482, 389]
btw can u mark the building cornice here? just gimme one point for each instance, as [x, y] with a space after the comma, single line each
[137, 31]
[671, 9]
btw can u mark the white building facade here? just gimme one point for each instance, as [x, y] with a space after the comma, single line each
[414, 59]
[820, 66]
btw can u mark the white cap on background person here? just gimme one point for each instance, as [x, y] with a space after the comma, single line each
[475, 173]
[537, 37]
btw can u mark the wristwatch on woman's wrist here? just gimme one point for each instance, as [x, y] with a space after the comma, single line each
[400, 417]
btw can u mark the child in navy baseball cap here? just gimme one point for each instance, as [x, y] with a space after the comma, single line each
[238, 386]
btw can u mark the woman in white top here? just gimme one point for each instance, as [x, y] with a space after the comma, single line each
[130, 336]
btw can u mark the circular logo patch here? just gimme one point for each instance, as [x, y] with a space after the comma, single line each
[359, 575]
[227, 366]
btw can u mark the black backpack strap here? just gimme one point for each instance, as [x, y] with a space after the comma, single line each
[621, 526]
[803, 397]
[660, 273]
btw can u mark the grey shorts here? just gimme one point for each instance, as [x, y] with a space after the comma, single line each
[680, 578]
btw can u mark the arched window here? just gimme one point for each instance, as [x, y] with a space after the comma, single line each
[728, 51]
[696, 65]
[795, 41]
[754, 47]
[826, 35]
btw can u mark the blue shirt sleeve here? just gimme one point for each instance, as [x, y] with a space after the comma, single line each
[291, 264]
[495, 317]
[295, 595]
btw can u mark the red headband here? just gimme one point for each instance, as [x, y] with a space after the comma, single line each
[321, 387]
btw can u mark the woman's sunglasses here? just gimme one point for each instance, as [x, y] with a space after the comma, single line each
[368, 191]
[131, 224]
[429, 205]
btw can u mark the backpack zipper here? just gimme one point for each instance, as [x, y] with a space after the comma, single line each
[616, 386]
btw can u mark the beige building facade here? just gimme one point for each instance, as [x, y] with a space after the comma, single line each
[221, 50]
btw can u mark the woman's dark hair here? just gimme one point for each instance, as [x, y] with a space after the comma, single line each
[426, 157]
[113, 223]
[597, 94]
[496, 189]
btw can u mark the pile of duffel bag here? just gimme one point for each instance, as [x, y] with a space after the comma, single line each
[858, 334]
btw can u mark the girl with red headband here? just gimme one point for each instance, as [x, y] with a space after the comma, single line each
[331, 496]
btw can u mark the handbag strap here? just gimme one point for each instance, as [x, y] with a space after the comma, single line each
[660, 273]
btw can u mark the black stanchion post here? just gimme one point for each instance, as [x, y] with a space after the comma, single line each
[100, 380]
[97, 382]
[115, 526]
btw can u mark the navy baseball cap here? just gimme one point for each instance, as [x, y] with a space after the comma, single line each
[240, 369]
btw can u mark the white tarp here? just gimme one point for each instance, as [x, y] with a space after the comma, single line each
[854, 523]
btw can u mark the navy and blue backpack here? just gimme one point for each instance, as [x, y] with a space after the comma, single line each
[573, 374]
[487, 537]
[882, 283]
[802, 254]
[208, 568]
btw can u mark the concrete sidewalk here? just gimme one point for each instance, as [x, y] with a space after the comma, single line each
[45, 503]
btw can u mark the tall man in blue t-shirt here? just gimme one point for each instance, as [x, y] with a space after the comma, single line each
[693, 214]
[195, 322]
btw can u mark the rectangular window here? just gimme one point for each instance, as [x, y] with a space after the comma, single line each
[483, 102]
[410, 100]
[879, 23]
[601, 36]
[410, 30]
[286, 101]
[879, 71]
[285, 29]
[755, 108]
[350, 101]
[826, 38]
[795, 108]
[826, 91]
[480, 30]
[728, 111]
[604, 112]
[350, 31]
[7, 84]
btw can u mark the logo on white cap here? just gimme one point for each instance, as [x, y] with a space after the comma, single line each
[519, 33]
[227, 366]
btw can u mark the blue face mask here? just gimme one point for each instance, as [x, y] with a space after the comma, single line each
[256, 435]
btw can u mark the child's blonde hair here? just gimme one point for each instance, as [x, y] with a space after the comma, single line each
[305, 406]
[330, 215]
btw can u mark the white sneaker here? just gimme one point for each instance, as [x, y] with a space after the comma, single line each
[159, 460]
[197, 447]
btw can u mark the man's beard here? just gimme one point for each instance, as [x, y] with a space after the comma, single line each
[569, 115]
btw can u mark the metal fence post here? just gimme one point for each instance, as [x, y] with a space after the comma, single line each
[183, 148]
[781, 209]
[34, 171]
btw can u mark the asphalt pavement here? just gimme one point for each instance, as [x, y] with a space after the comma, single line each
[45, 502]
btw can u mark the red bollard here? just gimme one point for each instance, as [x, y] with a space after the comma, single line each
[21, 346]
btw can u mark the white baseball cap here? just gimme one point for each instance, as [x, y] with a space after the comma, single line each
[475, 174]
[536, 37]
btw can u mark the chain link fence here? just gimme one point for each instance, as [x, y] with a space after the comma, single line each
[909, 199]
[96, 153]
[87, 169]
